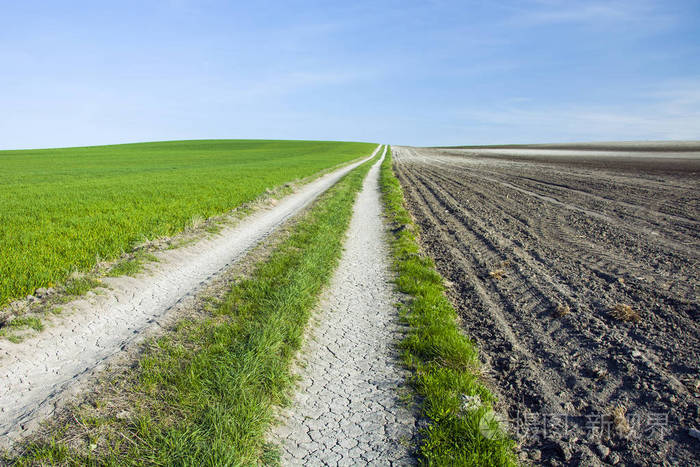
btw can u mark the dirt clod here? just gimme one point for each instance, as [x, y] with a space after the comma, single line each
[603, 450]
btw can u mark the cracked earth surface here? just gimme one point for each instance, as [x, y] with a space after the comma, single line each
[38, 373]
[346, 410]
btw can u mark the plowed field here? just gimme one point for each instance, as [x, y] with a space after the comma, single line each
[577, 277]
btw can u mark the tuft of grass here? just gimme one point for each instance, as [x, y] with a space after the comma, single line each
[31, 322]
[497, 274]
[125, 268]
[80, 285]
[10, 329]
[443, 362]
[625, 312]
[204, 394]
[132, 265]
[195, 222]
[562, 310]
[619, 420]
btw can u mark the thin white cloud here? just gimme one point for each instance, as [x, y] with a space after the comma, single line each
[547, 12]
[670, 112]
[289, 82]
[679, 97]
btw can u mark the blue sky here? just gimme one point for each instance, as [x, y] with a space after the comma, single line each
[403, 72]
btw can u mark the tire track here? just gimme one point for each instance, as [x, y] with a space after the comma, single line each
[611, 347]
[462, 267]
[346, 410]
[606, 262]
[508, 181]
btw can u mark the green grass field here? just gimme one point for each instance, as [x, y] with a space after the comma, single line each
[63, 209]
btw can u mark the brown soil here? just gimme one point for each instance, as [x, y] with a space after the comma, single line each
[590, 333]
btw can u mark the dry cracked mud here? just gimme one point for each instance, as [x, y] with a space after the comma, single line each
[347, 408]
[36, 374]
[542, 252]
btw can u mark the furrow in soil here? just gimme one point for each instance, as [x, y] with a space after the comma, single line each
[538, 253]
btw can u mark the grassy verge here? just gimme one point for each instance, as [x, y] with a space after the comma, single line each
[462, 429]
[204, 395]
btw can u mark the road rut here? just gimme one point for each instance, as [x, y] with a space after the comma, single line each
[346, 410]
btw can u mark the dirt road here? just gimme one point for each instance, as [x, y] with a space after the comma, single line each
[347, 409]
[37, 372]
[543, 252]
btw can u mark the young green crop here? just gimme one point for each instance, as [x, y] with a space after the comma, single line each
[63, 209]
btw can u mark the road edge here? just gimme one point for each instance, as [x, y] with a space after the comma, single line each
[462, 427]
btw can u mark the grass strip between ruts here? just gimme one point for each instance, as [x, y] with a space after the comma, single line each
[462, 427]
[205, 394]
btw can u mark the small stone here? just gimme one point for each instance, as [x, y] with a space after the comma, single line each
[694, 433]
[42, 292]
[614, 459]
[603, 450]
[536, 455]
